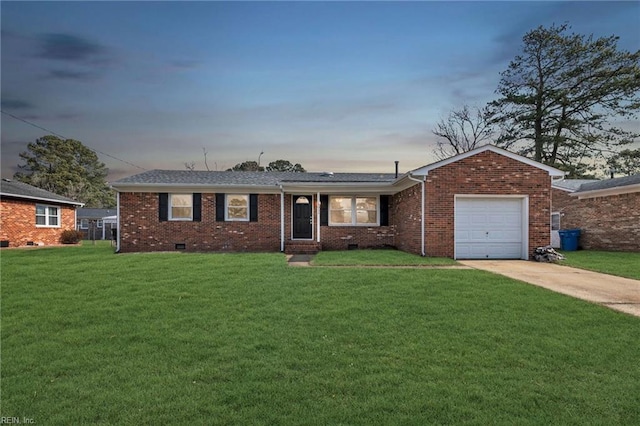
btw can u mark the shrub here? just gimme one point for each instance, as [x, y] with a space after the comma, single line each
[71, 236]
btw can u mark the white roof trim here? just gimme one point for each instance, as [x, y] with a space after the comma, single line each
[562, 189]
[48, 200]
[618, 190]
[424, 170]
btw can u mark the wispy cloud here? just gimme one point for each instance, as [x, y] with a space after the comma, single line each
[71, 75]
[68, 47]
[84, 59]
[16, 104]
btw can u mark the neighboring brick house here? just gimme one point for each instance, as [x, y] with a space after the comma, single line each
[96, 224]
[606, 211]
[486, 203]
[32, 216]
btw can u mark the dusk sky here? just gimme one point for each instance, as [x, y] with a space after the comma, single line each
[336, 86]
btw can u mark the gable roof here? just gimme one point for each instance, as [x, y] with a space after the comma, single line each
[424, 170]
[15, 189]
[571, 185]
[622, 185]
[271, 182]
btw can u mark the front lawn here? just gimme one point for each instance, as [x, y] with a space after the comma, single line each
[624, 264]
[89, 337]
[377, 258]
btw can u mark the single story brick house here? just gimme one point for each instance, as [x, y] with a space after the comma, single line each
[607, 211]
[486, 203]
[31, 216]
[95, 224]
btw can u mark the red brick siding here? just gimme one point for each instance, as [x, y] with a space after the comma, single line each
[406, 211]
[340, 237]
[607, 223]
[142, 231]
[486, 173]
[567, 206]
[18, 223]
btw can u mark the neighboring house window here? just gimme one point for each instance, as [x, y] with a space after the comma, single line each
[99, 223]
[84, 223]
[47, 215]
[181, 206]
[555, 221]
[237, 207]
[353, 210]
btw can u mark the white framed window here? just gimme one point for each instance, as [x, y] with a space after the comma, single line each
[47, 216]
[180, 207]
[99, 223]
[555, 221]
[354, 210]
[84, 223]
[236, 207]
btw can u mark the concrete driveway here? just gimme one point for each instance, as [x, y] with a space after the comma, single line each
[621, 294]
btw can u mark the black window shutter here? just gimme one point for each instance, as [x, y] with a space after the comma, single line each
[197, 207]
[324, 210]
[219, 207]
[384, 210]
[163, 206]
[253, 207]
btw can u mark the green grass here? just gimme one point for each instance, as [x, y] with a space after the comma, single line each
[89, 337]
[623, 264]
[377, 258]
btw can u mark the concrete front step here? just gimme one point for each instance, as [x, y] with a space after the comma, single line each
[302, 247]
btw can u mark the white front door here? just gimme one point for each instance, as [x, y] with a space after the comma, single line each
[490, 228]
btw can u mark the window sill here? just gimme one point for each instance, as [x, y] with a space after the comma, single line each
[355, 225]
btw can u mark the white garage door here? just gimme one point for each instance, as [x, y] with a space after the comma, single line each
[489, 228]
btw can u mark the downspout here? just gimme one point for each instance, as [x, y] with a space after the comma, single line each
[422, 181]
[281, 218]
[318, 216]
[118, 233]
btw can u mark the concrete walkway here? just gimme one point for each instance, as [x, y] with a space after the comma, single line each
[621, 294]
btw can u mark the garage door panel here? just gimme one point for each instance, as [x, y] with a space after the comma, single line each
[489, 228]
[478, 219]
[479, 235]
[489, 251]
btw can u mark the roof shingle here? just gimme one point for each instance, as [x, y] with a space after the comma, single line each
[17, 189]
[610, 183]
[189, 177]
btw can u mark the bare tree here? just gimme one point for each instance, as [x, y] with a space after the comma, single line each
[204, 151]
[464, 129]
[191, 165]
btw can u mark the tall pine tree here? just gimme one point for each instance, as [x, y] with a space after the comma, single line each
[559, 99]
[67, 168]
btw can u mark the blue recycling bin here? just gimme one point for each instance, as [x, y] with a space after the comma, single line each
[569, 239]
